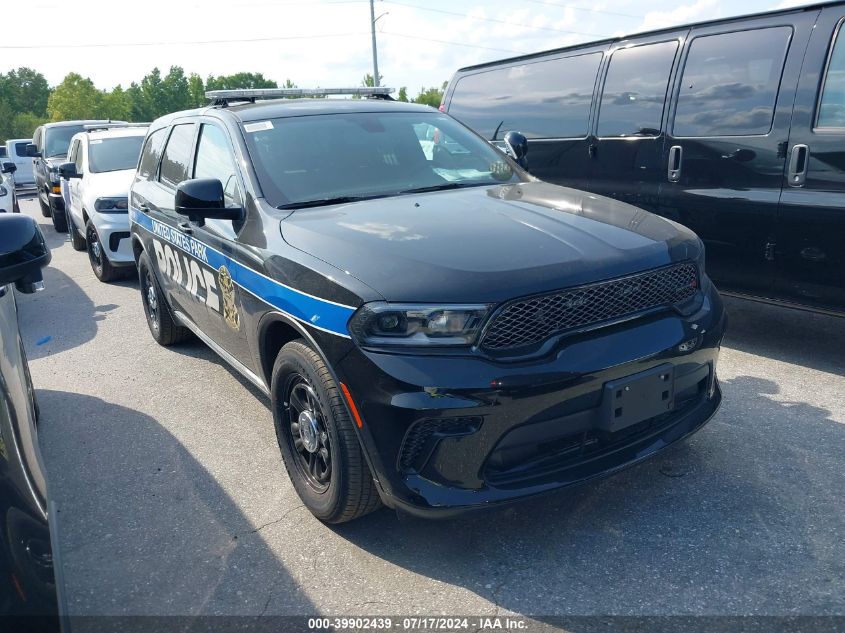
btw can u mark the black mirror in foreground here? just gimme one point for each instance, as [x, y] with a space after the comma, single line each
[23, 253]
[32, 150]
[518, 146]
[8, 167]
[68, 171]
[202, 199]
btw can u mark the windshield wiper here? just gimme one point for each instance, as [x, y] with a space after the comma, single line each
[443, 187]
[324, 202]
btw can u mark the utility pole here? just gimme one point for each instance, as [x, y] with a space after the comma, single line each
[375, 50]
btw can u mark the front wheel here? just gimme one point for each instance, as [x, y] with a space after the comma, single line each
[78, 242]
[16, 207]
[100, 264]
[59, 220]
[317, 439]
[162, 326]
[45, 206]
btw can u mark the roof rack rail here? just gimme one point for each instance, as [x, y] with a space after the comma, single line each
[98, 127]
[224, 97]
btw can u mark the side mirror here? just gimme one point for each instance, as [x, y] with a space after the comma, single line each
[32, 151]
[23, 253]
[518, 146]
[8, 168]
[202, 199]
[68, 171]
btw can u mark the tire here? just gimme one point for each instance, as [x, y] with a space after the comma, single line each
[45, 207]
[76, 241]
[100, 264]
[337, 489]
[59, 220]
[16, 207]
[162, 325]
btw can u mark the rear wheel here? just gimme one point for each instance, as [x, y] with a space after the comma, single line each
[317, 439]
[100, 264]
[162, 325]
[76, 240]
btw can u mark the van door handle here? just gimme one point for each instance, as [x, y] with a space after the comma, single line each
[798, 160]
[143, 208]
[676, 157]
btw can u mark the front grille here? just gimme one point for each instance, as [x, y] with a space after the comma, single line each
[418, 440]
[530, 321]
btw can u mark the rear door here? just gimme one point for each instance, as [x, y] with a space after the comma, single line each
[548, 99]
[626, 148]
[810, 239]
[725, 152]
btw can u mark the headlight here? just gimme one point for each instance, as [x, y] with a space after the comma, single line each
[3, 191]
[111, 205]
[53, 174]
[387, 324]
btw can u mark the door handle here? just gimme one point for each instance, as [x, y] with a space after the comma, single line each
[186, 228]
[143, 208]
[676, 157]
[798, 160]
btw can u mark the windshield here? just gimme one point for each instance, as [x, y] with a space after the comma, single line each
[57, 139]
[358, 155]
[114, 154]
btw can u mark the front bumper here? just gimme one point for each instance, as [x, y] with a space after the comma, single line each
[113, 231]
[444, 434]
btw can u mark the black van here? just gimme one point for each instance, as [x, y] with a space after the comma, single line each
[735, 128]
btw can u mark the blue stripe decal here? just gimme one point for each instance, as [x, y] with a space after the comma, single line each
[320, 313]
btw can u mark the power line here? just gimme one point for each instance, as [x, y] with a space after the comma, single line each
[193, 43]
[508, 22]
[587, 9]
[431, 39]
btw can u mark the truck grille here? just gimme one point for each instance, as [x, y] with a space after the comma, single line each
[530, 321]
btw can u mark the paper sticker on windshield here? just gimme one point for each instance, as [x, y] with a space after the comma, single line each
[257, 126]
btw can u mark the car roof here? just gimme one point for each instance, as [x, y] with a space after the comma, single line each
[278, 108]
[116, 132]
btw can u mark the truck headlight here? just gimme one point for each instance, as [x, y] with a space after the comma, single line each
[111, 205]
[410, 325]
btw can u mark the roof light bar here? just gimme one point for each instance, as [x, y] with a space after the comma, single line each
[96, 127]
[251, 94]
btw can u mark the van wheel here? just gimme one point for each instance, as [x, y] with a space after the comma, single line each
[45, 207]
[59, 220]
[76, 240]
[317, 439]
[100, 264]
[162, 325]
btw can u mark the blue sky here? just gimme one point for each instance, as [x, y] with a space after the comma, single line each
[321, 42]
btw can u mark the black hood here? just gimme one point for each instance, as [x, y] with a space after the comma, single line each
[487, 244]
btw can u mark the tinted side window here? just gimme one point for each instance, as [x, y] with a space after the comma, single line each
[20, 150]
[545, 99]
[730, 83]
[177, 155]
[832, 103]
[635, 90]
[151, 154]
[215, 160]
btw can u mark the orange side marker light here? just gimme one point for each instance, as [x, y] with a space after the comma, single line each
[352, 406]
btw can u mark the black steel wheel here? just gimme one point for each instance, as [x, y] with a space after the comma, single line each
[162, 325]
[100, 264]
[318, 439]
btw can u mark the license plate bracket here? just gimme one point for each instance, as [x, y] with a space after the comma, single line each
[627, 401]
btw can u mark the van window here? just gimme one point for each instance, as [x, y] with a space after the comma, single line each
[177, 155]
[635, 90]
[730, 83]
[20, 149]
[151, 154]
[545, 99]
[832, 104]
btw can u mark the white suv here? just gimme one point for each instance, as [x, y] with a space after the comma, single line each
[8, 196]
[95, 184]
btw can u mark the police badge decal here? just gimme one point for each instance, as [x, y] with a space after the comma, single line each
[227, 290]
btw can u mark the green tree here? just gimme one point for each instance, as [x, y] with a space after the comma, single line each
[403, 94]
[177, 94]
[24, 124]
[431, 96]
[137, 106]
[116, 105]
[289, 84]
[153, 102]
[239, 80]
[196, 90]
[75, 98]
[26, 89]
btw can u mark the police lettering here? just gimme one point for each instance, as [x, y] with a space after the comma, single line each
[186, 272]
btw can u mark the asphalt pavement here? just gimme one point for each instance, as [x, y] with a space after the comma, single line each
[173, 500]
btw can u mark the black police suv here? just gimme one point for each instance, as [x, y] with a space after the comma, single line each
[50, 143]
[734, 127]
[436, 329]
[28, 588]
